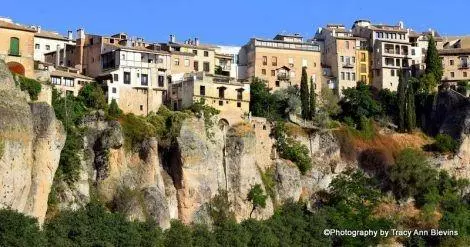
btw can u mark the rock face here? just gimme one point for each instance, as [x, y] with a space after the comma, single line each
[31, 139]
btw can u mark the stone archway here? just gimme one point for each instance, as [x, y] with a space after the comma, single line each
[16, 68]
[223, 124]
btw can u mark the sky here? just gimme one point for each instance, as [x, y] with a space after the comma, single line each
[232, 22]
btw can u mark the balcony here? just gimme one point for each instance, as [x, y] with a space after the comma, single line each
[348, 65]
[283, 77]
[464, 66]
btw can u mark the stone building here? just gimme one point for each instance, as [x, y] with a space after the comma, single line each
[17, 47]
[47, 41]
[229, 96]
[390, 48]
[455, 54]
[346, 56]
[68, 82]
[280, 60]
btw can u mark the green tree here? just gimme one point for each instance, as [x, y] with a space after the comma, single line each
[358, 102]
[410, 108]
[17, 229]
[313, 99]
[262, 102]
[31, 86]
[401, 101]
[257, 197]
[114, 111]
[92, 96]
[304, 94]
[433, 62]
[178, 235]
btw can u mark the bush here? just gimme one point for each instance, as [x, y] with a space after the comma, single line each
[33, 87]
[445, 143]
[114, 111]
[358, 102]
[92, 96]
[136, 129]
[17, 229]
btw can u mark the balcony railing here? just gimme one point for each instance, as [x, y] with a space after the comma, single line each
[348, 65]
[464, 66]
[283, 77]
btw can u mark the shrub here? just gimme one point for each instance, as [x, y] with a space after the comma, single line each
[114, 111]
[136, 129]
[208, 112]
[257, 197]
[358, 102]
[92, 96]
[445, 143]
[33, 87]
[17, 229]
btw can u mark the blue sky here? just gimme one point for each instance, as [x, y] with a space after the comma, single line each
[232, 22]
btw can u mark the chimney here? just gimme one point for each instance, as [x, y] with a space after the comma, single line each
[80, 33]
[334, 33]
[401, 24]
[70, 35]
[39, 29]
[433, 33]
[57, 56]
[172, 38]
[196, 41]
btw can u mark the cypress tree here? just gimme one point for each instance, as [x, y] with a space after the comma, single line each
[304, 95]
[312, 99]
[410, 108]
[433, 62]
[401, 101]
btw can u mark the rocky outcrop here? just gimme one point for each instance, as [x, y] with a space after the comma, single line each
[31, 139]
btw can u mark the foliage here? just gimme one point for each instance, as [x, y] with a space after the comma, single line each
[29, 85]
[219, 208]
[167, 125]
[178, 235]
[287, 101]
[445, 143]
[410, 108]
[92, 96]
[433, 62]
[304, 95]
[406, 103]
[358, 102]
[291, 149]
[463, 87]
[114, 111]
[269, 182]
[257, 197]
[136, 129]
[312, 100]
[17, 229]
[208, 112]
[411, 176]
[262, 102]
[329, 101]
[389, 102]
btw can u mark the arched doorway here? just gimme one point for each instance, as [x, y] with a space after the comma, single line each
[223, 124]
[16, 68]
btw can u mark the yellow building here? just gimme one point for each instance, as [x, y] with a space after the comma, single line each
[363, 67]
[455, 57]
[17, 47]
[231, 97]
[280, 60]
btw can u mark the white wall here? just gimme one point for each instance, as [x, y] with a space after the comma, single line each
[43, 42]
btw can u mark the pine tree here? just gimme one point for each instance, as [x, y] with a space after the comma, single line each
[304, 95]
[433, 62]
[313, 99]
[401, 101]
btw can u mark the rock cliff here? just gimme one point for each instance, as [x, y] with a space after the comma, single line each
[31, 139]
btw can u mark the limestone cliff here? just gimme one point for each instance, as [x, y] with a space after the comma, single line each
[31, 139]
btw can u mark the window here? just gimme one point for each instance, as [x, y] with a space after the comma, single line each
[141, 107]
[111, 41]
[127, 77]
[91, 41]
[144, 80]
[115, 77]
[48, 47]
[195, 52]
[277, 84]
[363, 57]
[239, 104]
[221, 103]
[273, 73]
[161, 80]
[452, 74]
[263, 71]
[464, 74]
[221, 92]
[206, 53]
[202, 90]
[37, 46]
[196, 66]
[398, 62]
[265, 60]
[206, 66]
[413, 52]
[451, 62]
[347, 44]
[342, 75]
[68, 82]
[186, 62]
[392, 72]
[56, 80]
[14, 46]
[353, 76]
[274, 61]
[177, 61]
[114, 90]
[240, 94]
[342, 59]
[348, 75]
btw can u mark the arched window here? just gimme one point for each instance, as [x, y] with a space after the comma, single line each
[14, 46]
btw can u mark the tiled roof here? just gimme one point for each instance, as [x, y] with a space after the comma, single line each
[454, 51]
[62, 73]
[50, 35]
[137, 48]
[183, 53]
[9, 25]
[200, 46]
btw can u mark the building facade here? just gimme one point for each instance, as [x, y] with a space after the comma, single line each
[17, 47]
[390, 48]
[69, 82]
[47, 41]
[229, 96]
[279, 61]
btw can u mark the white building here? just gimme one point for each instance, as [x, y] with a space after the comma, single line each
[47, 41]
[231, 65]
